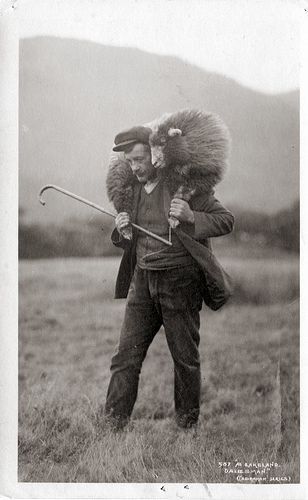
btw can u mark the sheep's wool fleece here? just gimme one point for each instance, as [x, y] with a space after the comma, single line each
[195, 160]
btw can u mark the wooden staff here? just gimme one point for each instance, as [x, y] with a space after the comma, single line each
[100, 209]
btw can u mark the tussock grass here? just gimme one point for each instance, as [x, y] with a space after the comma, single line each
[69, 328]
[256, 281]
[269, 281]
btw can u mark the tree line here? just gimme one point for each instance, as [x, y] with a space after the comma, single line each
[280, 230]
[79, 238]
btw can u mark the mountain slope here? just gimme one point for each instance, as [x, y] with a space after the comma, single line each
[76, 95]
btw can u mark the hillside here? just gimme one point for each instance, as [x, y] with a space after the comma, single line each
[76, 95]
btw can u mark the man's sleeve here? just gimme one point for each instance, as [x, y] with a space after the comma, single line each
[212, 220]
[118, 240]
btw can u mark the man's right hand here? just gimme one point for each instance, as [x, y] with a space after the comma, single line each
[122, 222]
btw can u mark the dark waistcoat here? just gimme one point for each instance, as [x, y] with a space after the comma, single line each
[153, 254]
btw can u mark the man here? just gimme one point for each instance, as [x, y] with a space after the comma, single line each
[167, 284]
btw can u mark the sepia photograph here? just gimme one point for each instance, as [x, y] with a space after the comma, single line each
[158, 243]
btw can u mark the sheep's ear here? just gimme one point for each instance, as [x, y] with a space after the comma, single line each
[172, 132]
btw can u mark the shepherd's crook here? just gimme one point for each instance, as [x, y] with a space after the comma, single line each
[100, 209]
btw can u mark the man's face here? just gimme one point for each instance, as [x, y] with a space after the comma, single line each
[139, 159]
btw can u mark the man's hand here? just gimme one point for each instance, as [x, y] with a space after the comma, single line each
[181, 210]
[122, 222]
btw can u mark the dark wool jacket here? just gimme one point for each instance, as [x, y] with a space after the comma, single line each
[211, 220]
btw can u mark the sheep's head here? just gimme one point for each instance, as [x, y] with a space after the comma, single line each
[168, 146]
[192, 146]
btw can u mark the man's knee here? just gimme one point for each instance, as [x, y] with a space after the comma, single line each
[127, 359]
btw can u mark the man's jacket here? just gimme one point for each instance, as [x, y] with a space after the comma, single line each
[211, 220]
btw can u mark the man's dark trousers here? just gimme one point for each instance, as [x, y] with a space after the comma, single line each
[173, 298]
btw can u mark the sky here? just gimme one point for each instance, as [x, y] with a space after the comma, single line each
[255, 42]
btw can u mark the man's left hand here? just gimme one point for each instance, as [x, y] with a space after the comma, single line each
[181, 210]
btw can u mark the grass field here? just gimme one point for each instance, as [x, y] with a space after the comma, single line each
[69, 325]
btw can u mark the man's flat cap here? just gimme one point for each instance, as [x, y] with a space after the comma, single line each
[134, 134]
